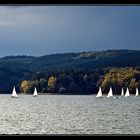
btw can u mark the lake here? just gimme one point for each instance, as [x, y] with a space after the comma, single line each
[69, 114]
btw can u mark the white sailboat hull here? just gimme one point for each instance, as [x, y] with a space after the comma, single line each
[14, 97]
[110, 97]
[99, 96]
[34, 95]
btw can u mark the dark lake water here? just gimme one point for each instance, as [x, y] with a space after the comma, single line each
[69, 114]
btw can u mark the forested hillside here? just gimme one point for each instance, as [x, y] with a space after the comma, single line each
[62, 73]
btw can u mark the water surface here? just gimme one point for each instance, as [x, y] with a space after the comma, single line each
[69, 114]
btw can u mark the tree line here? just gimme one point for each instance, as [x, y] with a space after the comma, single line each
[83, 81]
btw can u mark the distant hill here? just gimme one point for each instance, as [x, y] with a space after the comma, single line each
[87, 60]
[84, 60]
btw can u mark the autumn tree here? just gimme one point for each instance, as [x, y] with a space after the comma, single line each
[25, 86]
[118, 78]
[132, 86]
[52, 84]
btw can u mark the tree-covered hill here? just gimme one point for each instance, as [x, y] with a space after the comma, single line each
[15, 69]
[84, 60]
[87, 60]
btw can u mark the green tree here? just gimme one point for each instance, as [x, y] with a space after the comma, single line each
[43, 85]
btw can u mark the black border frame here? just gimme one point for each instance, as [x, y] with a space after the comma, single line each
[69, 3]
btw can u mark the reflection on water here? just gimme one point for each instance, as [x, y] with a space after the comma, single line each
[54, 114]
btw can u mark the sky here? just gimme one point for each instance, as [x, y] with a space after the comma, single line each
[42, 30]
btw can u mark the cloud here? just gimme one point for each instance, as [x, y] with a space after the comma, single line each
[38, 30]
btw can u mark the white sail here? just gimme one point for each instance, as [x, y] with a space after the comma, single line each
[14, 93]
[122, 93]
[127, 93]
[110, 94]
[137, 92]
[35, 92]
[99, 94]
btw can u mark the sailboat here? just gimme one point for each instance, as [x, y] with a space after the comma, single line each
[122, 92]
[127, 93]
[35, 92]
[137, 92]
[14, 93]
[99, 94]
[110, 94]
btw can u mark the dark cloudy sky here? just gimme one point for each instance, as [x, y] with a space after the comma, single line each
[41, 30]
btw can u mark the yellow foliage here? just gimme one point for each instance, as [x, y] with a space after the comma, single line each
[51, 82]
[119, 78]
[25, 86]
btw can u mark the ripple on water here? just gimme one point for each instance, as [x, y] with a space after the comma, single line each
[54, 114]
